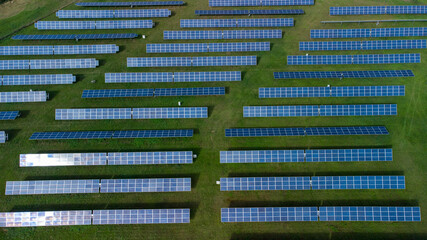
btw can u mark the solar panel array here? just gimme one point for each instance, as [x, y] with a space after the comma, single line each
[368, 32]
[111, 158]
[112, 134]
[170, 113]
[76, 36]
[45, 218]
[314, 131]
[3, 137]
[26, 50]
[9, 115]
[250, 12]
[245, 3]
[225, 23]
[137, 13]
[363, 45]
[222, 34]
[349, 91]
[354, 59]
[308, 155]
[145, 185]
[46, 79]
[312, 183]
[192, 61]
[145, 77]
[48, 64]
[298, 214]
[158, 92]
[208, 47]
[51, 187]
[344, 74]
[320, 110]
[375, 10]
[18, 97]
[70, 25]
[129, 4]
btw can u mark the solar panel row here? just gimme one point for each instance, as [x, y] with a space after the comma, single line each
[225, 23]
[363, 45]
[313, 131]
[222, 34]
[46, 79]
[297, 214]
[9, 115]
[208, 47]
[146, 77]
[354, 59]
[344, 74]
[112, 134]
[95, 217]
[250, 12]
[370, 10]
[245, 3]
[76, 25]
[158, 92]
[18, 97]
[129, 4]
[308, 155]
[320, 110]
[369, 32]
[349, 91]
[131, 113]
[192, 61]
[111, 158]
[76, 36]
[138, 13]
[3, 137]
[48, 64]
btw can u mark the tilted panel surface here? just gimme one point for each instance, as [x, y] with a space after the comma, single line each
[62, 159]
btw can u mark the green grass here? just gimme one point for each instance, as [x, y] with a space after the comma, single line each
[407, 136]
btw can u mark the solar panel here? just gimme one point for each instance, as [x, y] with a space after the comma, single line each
[14, 64]
[141, 216]
[281, 111]
[170, 113]
[262, 156]
[93, 113]
[46, 79]
[3, 137]
[265, 183]
[294, 92]
[363, 130]
[25, 50]
[154, 133]
[51, 187]
[148, 158]
[358, 110]
[63, 63]
[371, 10]
[269, 214]
[373, 214]
[113, 93]
[244, 3]
[192, 61]
[45, 218]
[225, 34]
[263, 132]
[249, 12]
[362, 45]
[357, 182]
[159, 62]
[349, 155]
[224, 61]
[85, 49]
[9, 115]
[137, 13]
[368, 32]
[225, 23]
[62, 159]
[112, 134]
[129, 4]
[344, 74]
[64, 25]
[17, 97]
[76, 36]
[203, 91]
[207, 76]
[146, 185]
[124, 24]
[354, 59]
[208, 47]
[140, 77]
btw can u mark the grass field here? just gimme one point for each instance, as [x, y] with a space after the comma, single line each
[407, 138]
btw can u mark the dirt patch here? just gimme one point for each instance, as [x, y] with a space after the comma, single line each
[13, 7]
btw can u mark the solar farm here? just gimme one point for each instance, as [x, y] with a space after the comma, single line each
[213, 119]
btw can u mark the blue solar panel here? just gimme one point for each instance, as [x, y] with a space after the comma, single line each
[38, 79]
[51, 187]
[207, 76]
[354, 59]
[225, 23]
[281, 111]
[170, 113]
[250, 12]
[206, 91]
[362, 45]
[145, 185]
[374, 214]
[224, 61]
[62, 159]
[85, 49]
[329, 131]
[344, 74]
[371, 10]
[124, 24]
[18, 97]
[262, 156]
[48, 64]
[9, 115]
[368, 32]
[159, 62]
[3, 136]
[112, 134]
[141, 77]
[349, 155]
[269, 214]
[192, 61]
[208, 47]
[138, 13]
[75, 25]
[14, 64]
[112, 93]
[148, 158]
[265, 183]
[141, 216]
[294, 92]
[72, 135]
[357, 182]
[129, 4]
[243, 3]
[153, 133]
[358, 110]
[263, 132]
[46, 218]
[26, 50]
[226, 34]
[76, 36]
[93, 113]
